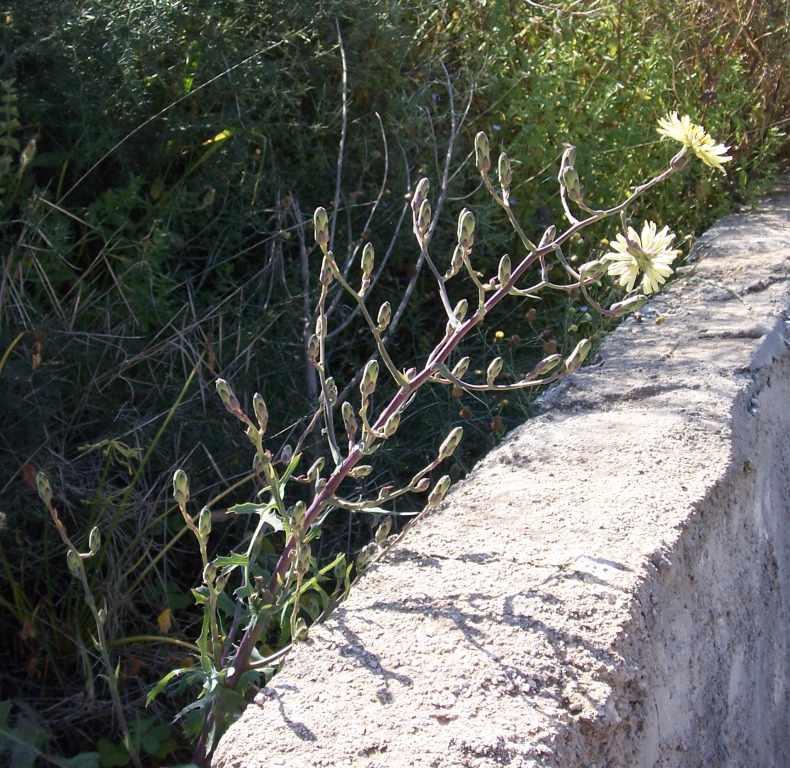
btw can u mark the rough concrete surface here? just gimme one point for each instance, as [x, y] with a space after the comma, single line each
[609, 587]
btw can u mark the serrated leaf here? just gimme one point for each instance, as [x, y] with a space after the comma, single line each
[266, 511]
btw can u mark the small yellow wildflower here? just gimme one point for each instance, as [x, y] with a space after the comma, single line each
[695, 138]
[499, 335]
[650, 253]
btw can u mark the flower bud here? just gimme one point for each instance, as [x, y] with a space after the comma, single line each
[303, 560]
[505, 172]
[369, 377]
[466, 229]
[456, 262]
[447, 448]
[368, 256]
[439, 491]
[102, 615]
[384, 316]
[420, 195]
[313, 349]
[73, 562]
[424, 218]
[576, 358]
[181, 488]
[229, 400]
[461, 367]
[422, 485]
[548, 236]
[297, 514]
[482, 153]
[504, 271]
[361, 470]
[350, 420]
[326, 276]
[204, 523]
[44, 489]
[494, 369]
[544, 366]
[261, 413]
[568, 158]
[321, 226]
[94, 540]
[631, 304]
[592, 271]
[573, 186]
[460, 309]
[330, 391]
[391, 425]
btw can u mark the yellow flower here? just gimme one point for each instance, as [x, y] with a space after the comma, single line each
[650, 253]
[695, 138]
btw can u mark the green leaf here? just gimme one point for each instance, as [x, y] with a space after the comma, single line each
[266, 511]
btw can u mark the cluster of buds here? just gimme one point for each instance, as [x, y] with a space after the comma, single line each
[569, 178]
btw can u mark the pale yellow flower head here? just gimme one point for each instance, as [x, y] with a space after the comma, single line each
[650, 253]
[695, 138]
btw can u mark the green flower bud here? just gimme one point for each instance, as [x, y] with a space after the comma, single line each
[573, 186]
[204, 522]
[420, 195]
[424, 218]
[261, 413]
[461, 367]
[94, 540]
[439, 491]
[181, 488]
[421, 485]
[494, 369]
[384, 316]
[297, 514]
[361, 470]
[350, 420]
[568, 158]
[466, 229]
[576, 358]
[505, 172]
[102, 615]
[303, 560]
[209, 573]
[330, 390]
[73, 562]
[313, 349]
[228, 398]
[326, 275]
[631, 304]
[544, 366]
[460, 309]
[456, 262]
[369, 377]
[592, 271]
[391, 425]
[368, 256]
[321, 226]
[548, 236]
[482, 153]
[447, 448]
[504, 271]
[44, 489]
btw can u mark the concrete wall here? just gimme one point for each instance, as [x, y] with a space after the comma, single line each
[609, 587]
